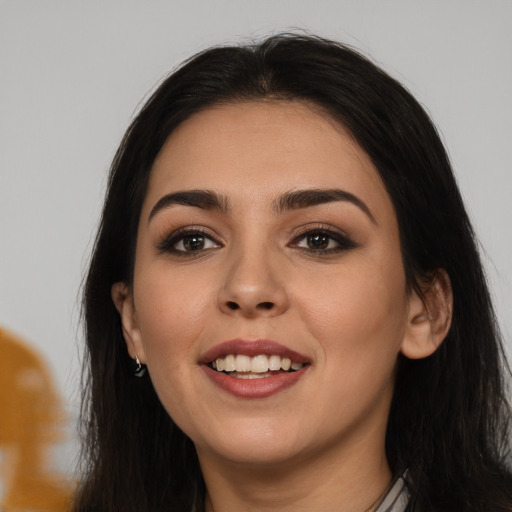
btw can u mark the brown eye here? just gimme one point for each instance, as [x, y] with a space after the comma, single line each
[318, 241]
[321, 241]
[192, 243]
[188, 242]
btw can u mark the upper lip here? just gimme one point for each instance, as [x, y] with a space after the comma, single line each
[251, 348]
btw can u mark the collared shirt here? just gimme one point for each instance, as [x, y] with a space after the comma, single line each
[396, 499]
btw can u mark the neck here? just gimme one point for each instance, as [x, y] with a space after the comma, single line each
[350, 481]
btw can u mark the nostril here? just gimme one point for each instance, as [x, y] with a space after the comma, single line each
[233, 305]
[266, 305]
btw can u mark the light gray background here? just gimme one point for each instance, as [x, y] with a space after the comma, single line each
[72, 74]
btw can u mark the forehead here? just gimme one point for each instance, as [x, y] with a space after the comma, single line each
[255, 149]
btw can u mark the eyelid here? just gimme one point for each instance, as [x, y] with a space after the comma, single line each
[314, 227]
[341, 237]
[167, 243]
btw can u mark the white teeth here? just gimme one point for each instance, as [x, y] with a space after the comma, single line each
[274, 363]
[229, 363]
[259, 365]
[249, 376]
[242, 363]
[285, 364]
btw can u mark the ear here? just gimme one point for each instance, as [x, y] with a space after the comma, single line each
[429, 318]
[123, 301]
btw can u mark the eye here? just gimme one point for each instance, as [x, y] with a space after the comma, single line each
[183, 242]
[323, 241]
[318, 241]
[194, 242]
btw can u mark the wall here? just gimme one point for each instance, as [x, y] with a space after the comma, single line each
[74, 72]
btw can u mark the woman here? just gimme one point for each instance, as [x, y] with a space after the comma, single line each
[285, 263]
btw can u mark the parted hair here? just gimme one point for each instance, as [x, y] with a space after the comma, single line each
[449, 423]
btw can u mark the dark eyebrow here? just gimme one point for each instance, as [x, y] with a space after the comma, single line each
[305, 198]
[204, 199]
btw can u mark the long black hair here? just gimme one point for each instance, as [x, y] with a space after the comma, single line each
[449, 418]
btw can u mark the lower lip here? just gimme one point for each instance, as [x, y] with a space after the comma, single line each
[254, 388]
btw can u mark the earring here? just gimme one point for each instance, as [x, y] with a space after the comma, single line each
[139, 369]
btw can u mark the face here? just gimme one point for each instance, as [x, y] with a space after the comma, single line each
[269, 300]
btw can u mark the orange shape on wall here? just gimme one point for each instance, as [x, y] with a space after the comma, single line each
[31, 422]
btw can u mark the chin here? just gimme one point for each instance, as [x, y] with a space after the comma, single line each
[258, 456]
[254, 445]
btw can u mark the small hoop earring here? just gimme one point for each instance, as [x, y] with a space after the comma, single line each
[139, 369]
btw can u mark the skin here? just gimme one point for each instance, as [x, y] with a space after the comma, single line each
[319, 444]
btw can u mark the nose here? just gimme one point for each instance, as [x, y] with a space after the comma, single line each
[253, 286]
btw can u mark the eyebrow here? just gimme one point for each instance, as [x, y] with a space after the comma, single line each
[293, 200]
[204, 199]
[296, 199]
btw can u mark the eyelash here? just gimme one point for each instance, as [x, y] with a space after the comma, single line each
[343, 241]
[168, 245]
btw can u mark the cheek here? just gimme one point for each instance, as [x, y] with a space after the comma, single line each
[170, 314]
[363, 322]
[359, 331]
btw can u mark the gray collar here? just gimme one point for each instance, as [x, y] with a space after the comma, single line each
[396, 499]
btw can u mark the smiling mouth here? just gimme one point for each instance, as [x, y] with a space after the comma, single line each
[242, 366]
